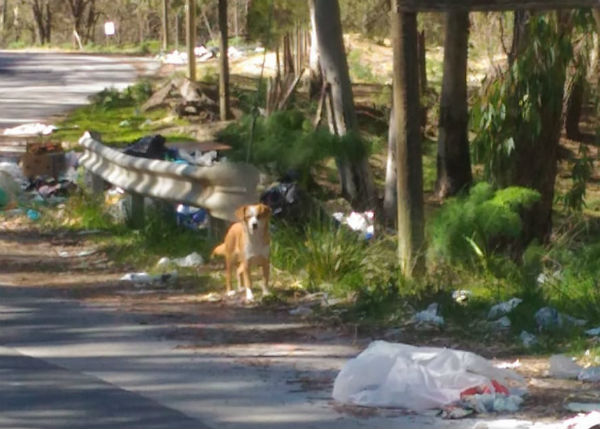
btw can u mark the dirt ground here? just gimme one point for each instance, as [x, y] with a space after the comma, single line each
[31, 258]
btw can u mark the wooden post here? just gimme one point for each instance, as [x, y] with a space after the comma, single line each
[136, 216]
[94, 182]
[223, 63]
[165, 24]
[409, 164]
[191, 38]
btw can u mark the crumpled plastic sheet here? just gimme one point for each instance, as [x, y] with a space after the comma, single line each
[417, 378]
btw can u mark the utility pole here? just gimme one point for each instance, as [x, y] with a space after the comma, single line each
[191, 38]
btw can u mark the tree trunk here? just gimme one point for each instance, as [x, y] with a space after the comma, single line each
[4, 15]
[390, 203]
[535, 161]
[453, 161]
[190, 27]
[165, 25]
[223, 63]
[409, 164]
[574, 106]
[315, 76]
[353, 169]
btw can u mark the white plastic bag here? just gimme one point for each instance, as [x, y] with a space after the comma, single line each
[417, 378]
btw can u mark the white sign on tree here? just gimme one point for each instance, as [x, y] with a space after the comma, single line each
[109, 28]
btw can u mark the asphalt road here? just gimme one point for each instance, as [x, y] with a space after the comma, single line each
[37, 85]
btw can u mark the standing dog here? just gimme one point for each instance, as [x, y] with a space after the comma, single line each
[247, 242]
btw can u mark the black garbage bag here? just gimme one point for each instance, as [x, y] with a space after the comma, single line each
[290, 203]
[152, 147]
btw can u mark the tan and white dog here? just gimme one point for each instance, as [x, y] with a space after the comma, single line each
[247, 243]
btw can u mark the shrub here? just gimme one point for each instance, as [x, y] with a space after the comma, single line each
[481, 224]
[286, 141]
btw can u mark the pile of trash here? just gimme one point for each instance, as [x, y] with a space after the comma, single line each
[186, 99]
[45, 174]
[202, 54]
[421, 378]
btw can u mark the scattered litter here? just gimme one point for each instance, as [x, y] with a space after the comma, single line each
[549, 318]
[191, 217]
[301, 311]
[461, 296]
[417, 378]
[360, 222]
[581, 407]
[455, 412]
[492, 402]
[212, 297]
[65, 254]
[430, 315]
[192, 260]
[33, 214]
[501, 324]
[33, 129]
[527, 339]
[594, 332]
[145, 278]
[508, 365]
[562, 366]
[591, 374]
[503, 308]
[9, 190]
[14, 171]
[582, 421]
[544, 278]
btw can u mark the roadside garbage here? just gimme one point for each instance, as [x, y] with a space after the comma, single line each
[461, 296]
[430, 315]
[509, 365]
[544, 278]
[145, 278]
[82, 253]
[503, 308]
[591, 374]
[192, 260]
[43, 159]
[191, 217]
[527, 339]
[501, 324]
[360, 222]
[33, 129]
[289, 202]
[301, 311]
[152, 147]
[548, 318]
[33, 214]
[15, 172]
[582, 407]
[418, 378]
[9, 190]
[594, 332]
[562, 366]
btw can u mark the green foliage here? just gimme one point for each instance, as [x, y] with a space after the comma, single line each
[581, 172]
[115, 115]
[360, 71]
[286, 141]
[510, 111]
[471, 228]
[269, 20]
[333, 258]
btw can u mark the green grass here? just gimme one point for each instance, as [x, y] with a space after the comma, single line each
[117, 116]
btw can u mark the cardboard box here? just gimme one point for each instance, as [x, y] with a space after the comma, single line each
[43, 164]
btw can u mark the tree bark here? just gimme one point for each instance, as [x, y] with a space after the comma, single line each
[224, 109]
[409, 164]
[535, 160]
[165, 25]
[353, 169]
[390, 203]
[191, 38]
[453, 159]
[574, 106]
[315, 76]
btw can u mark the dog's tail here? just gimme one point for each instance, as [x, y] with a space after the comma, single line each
[218, 251]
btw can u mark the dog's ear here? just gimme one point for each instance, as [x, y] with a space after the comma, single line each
[264, 209]
[240, 213]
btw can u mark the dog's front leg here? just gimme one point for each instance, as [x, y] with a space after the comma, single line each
[228, 275]
[266, 269]
[247, 281]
